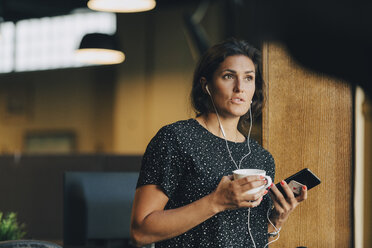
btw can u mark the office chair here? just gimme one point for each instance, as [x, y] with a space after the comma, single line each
[97, 208]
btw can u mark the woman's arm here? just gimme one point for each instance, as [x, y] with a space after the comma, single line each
[151, 223]
[283, 205]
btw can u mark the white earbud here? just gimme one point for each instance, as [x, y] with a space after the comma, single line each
[206, 88]
[221, 127]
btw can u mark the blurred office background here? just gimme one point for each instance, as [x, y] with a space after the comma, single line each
[58, 115]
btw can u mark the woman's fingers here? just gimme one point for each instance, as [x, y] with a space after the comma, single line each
[288, 192]
[231, 177]
[250, 179]
[303, 195]
[251, 186]
[237, 191]
[289, 195]
[276, 193]
[285, 204]
[251, 204]
[256, 202]
[254, 196]
[250, 182]
[233, 193]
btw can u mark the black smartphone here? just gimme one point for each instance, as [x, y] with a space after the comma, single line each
[301, 178]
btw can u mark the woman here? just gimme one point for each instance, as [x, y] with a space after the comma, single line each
[185, 194]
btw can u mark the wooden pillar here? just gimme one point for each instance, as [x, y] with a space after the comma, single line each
[307, 123]
[367, 111]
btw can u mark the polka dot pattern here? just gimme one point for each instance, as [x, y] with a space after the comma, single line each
[188, 162]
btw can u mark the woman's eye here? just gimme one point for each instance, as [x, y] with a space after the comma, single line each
[250, 78]
[228, 76]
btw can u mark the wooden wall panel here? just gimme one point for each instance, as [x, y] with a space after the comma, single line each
[307, 122]
[367, 112]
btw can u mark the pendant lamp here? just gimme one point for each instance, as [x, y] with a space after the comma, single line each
[99, 49]
[121, 6]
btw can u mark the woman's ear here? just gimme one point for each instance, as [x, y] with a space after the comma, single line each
[203, 82]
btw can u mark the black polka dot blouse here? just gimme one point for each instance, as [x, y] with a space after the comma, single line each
[188, 162]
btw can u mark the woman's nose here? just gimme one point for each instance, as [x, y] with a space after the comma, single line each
[238, 85]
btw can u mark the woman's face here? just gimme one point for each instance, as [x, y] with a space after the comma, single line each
[233, 86]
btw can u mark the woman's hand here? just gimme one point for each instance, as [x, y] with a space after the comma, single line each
[231, 194]
[284, 204]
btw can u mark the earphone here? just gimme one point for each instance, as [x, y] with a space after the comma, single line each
[206, 88]
[238, 167]
[224, 134]
[218, 117]
[223, 131]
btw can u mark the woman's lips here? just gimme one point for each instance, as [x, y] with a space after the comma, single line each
[237, 100]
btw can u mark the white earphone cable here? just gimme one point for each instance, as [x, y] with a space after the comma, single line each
[249, 228]
[276, 229]
[238, 167]
[224, 136]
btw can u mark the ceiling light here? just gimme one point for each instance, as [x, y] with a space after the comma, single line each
[122, 6]
[99, 49]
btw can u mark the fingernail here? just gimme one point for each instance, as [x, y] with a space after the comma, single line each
[304, 187]
[271, 185]
[265, 192]
[282, 182]
[262, 177]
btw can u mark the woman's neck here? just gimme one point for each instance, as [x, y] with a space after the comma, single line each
[230, 126]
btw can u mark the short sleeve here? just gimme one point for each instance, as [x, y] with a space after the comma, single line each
[271, 167]
[162, 162]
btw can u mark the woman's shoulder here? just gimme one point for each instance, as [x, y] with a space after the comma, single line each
[175, 130]
[178, 127]
[172, 135]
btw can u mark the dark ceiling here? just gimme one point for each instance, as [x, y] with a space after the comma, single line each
[15, 10]
[330, 36]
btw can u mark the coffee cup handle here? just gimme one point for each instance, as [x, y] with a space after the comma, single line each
[269, 181]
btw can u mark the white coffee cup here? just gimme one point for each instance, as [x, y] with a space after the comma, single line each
[252, 172]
